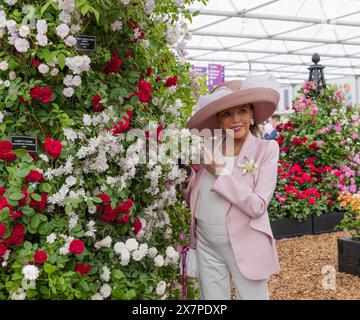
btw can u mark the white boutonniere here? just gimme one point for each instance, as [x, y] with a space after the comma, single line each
[249, 167]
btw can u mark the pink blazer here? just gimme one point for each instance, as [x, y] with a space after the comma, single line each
[246, 211]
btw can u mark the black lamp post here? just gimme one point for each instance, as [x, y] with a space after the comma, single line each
[316, 74]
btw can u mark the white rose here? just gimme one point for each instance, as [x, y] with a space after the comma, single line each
[22, 45]
[4, 65]
[12, 75]
[62, 30]
[131, 244]
[152, 252]
[24, 31]
[76, 81]
[54, 72]
[159, 261]
[105, 290]
[41, 26]
[70, 41]
[43, 68]
[118, 246]
[161, 287]
[68, 92]
[42, 40]
[30, 272]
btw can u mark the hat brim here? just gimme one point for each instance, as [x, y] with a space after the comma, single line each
[265, 102]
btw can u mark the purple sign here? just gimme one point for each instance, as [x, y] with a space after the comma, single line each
[199, 69]
[216, 75]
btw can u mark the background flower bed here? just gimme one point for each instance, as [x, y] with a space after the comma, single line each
[82, 218]
[319, 159]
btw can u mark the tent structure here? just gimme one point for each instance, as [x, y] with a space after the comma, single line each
[278, 36]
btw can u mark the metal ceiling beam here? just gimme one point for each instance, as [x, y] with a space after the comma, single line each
[272, 62]
[241, 12]
[281, 38]
[335, 21]
[291, 72]
[271, 52]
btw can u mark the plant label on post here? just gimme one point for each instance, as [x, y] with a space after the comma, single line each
[24, 142]
[85, 43]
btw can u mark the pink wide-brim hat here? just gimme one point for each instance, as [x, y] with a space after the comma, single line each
[261, 91]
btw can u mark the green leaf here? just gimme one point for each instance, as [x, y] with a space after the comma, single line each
[16, 196]
[4, 214]
[36, 197]
[118, 274]
[28, 211]
[131, 294]
[28, 245]
[97, 199]
[44, 7]
[61, 60]
[50, 268]
[46, 187]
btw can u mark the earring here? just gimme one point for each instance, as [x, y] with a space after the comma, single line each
[252, 122]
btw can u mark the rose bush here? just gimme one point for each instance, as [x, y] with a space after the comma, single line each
[319, 154]
[84, 217]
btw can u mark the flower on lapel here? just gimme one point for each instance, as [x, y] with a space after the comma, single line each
[249, 167]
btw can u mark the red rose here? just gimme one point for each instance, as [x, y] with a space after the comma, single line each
[330, 203]
[311, 200]
[2, 249]
[149, 72]
[76, 246]
[313, 146]
[113, 65]
[8, 157]
[80, 267]
[296, 142]
[17, 236]
[16, 215]
[170, 82]
[35, 62]
[96, 105]
[39, 205]
[35, 92]
[43, 94]
[127, 204]
[124, 219]
[137, 225]
[2, 230]
[34, 176]
[105, 198]
[23, 201]
[109, 214]
[53, 147]
[2, 191]
[120, 126]
[5, 146]
[40, 257]
[144, 91]
[128, 54]
[5, 151]
[22, 100]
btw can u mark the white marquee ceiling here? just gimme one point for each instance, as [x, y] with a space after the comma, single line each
[277, 36]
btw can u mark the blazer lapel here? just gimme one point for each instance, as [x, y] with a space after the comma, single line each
[246, 153]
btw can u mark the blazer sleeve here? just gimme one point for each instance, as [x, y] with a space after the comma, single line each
[187, 185]
[254, 203]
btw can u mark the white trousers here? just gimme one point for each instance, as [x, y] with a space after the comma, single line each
[217, 265]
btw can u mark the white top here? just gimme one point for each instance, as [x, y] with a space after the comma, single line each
[211, 205]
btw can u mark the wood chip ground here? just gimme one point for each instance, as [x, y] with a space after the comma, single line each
[302, 261]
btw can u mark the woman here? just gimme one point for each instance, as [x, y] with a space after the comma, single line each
[230, 227]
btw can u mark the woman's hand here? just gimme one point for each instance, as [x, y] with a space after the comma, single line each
[209, 162]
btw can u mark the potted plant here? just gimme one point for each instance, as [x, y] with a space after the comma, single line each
[349, 247]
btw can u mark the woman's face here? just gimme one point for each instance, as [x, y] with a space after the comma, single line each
[237, 119]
